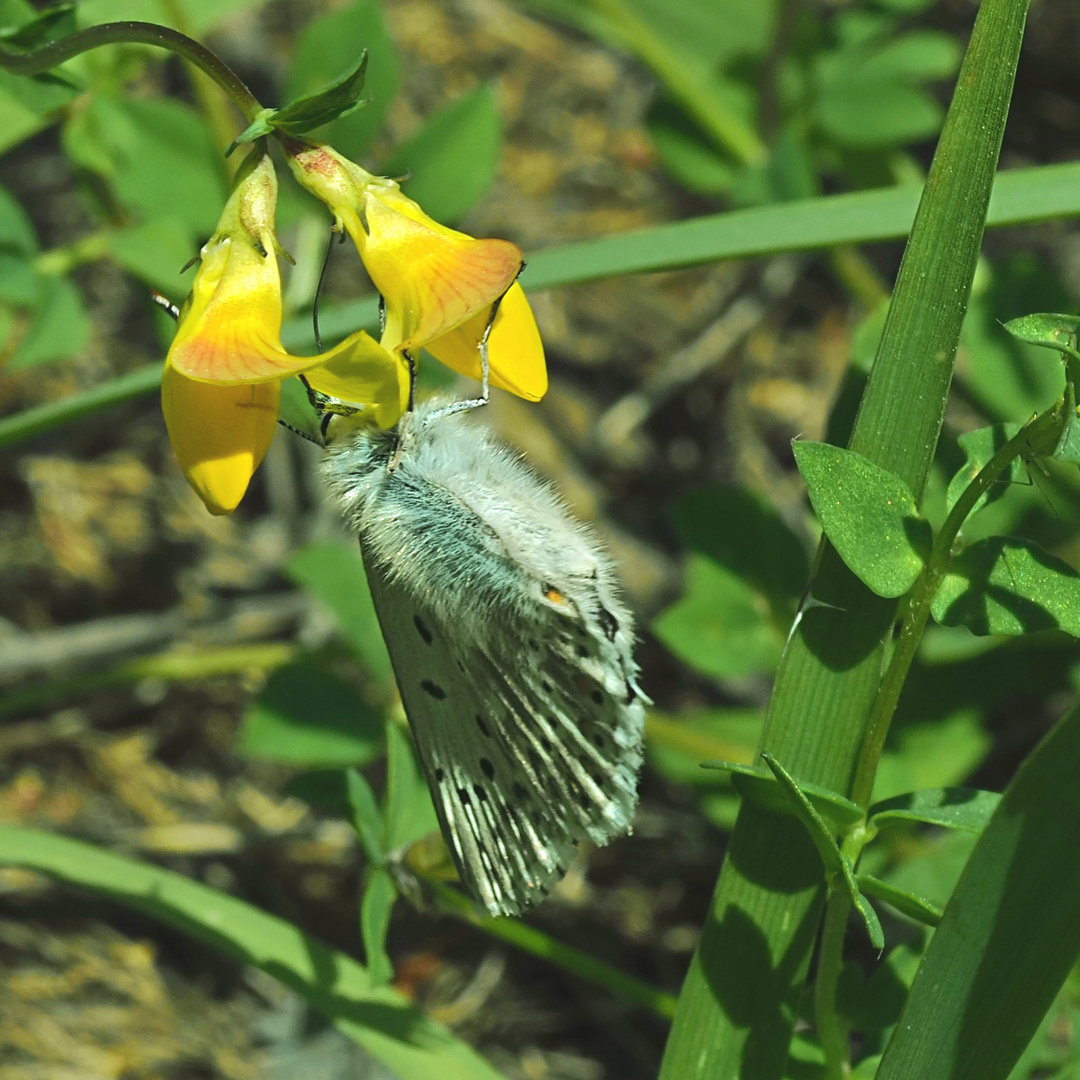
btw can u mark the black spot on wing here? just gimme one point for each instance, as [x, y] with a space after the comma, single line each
[608, 623]
[422, 630]
[433, 688]
[487, 768]
[484, 730]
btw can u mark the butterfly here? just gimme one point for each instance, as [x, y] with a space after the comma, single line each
[510, 643]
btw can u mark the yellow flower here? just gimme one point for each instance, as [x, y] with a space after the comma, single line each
[222, 383]
[439, 285]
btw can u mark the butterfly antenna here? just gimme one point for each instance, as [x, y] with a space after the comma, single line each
[165, 303]
[318, 292]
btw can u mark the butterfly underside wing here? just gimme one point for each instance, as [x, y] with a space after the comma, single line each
[510, 644]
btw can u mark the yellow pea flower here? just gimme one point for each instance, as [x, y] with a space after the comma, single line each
[439, 286]
[222, 383]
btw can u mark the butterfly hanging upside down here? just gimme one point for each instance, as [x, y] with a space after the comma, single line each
[511, 647]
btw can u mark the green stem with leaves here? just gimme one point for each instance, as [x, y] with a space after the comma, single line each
[47, 57]
[1042, 432]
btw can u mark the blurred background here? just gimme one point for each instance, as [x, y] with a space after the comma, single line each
[187, 689]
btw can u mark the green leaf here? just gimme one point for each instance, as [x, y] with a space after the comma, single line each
[409, 812]
[1057, 332]
[868, 94]
[156, 153]
[1010, 378]
[914, 907]
[325, 789]
[1003, 585]
[379, 1019]
[837, 867]
[310, 111]
[741, 532]
[50, 24]
[375, 911]
[678, 746]
[761, 786]
[719, 625]
[967, 809]
[980, 446]
[156, 251]
[20, 283]
[334, 572]
[934, 753]
[1009, 935]
[59, 329]
[451, 160]
[868, 513]
[366, 817]
[16, 232]
[331, 43]
[306, 717]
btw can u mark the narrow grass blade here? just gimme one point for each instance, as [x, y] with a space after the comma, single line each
[378, 1018]
[741, 996]
[1010, 933]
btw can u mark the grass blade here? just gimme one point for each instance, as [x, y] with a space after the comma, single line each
[378, 1018]
[741, 995]
[1010, 933]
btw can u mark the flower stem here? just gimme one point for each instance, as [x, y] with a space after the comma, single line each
[830, 1028]
[918, 607]
[47, 57]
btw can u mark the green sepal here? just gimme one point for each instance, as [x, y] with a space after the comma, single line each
[366, 818]
[1004, 585]
[760, 786]
[868, 513]
[839, 872]
[967, 809]
[914, 907]
[375, 911]
[310, 111]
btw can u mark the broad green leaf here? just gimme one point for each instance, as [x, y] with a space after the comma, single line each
[868, 513]
[837, 867]
[408, 810]
[325, 789]
[719, 625]
[1009, 935]
[687, 154]
[379, 1019]
[746, 535]
[375, 911]
[332, 42]
[366, 816]
[914, 907]
[1010, 378]
[450, 162]
[761, 786]
[931, 865]
[20, 283]
[937, 753]
[334, 572]
[306, 717]
[59, 328]
[967, 809]
[16, 232]
[677, 746]
[51, 23]
[158, 156]
[1058, 332]
[875, 1004]
[868, 94]
[196, 16]
[1003, 585]
[156, 251]
[980, 446]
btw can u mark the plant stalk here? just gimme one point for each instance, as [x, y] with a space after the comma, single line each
[47, 57]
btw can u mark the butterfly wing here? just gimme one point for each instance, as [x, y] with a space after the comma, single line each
[525, 756]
